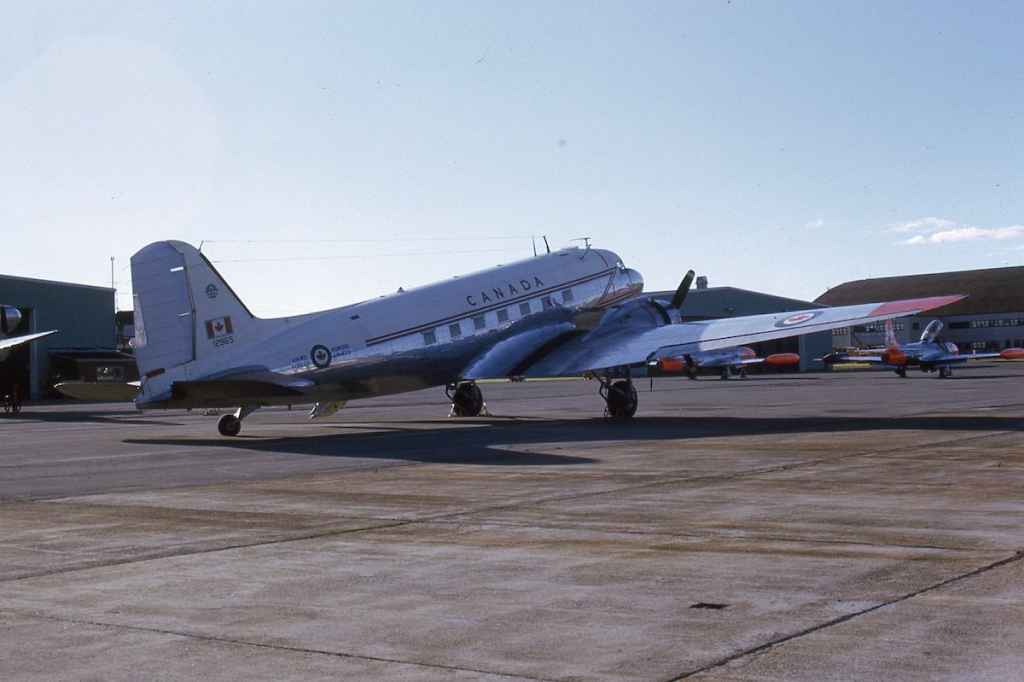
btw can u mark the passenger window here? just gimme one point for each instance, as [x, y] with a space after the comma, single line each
[547, 302]
[429, 338]
[567, 296]
[455, 330]
[524, 308]
[479, 322]
[503, 315]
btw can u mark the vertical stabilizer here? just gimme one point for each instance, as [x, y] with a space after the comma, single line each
[184, 310]
[890, 335]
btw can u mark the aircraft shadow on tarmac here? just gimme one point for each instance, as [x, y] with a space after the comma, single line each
[101, 416]
[495, 444]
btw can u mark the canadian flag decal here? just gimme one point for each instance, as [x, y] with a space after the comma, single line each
[218, 327]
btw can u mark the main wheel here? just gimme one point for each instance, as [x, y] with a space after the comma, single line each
[901, 372]
[468, 400]
[229, 425]
[945, 372]
[724, 376]
[622, 400]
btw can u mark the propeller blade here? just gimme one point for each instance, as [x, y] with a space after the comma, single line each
[683, 290]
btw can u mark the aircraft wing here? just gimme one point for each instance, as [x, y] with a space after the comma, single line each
[18, 340]
[632, 339]
[852, 357]
[1008, 354]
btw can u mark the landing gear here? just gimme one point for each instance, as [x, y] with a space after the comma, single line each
[467, 399]
[12, 405]
[901, 372]
[724, 374]
[945, 372]
[231, 424]
[743, 372]
[620, 398]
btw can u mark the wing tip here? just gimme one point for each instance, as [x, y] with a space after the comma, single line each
[916, 305]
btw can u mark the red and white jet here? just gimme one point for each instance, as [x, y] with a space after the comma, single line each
[930, 354]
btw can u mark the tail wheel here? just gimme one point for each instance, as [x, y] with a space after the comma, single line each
[467, 401]
[622, 400]
[229, 425]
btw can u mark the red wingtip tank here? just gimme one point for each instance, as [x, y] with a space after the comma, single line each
[782, 359]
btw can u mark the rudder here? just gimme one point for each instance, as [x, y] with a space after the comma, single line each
[184, 310]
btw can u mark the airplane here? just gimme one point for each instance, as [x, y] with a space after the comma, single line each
[573, 312]
[10, 320]
[930, 353]
[728, 361]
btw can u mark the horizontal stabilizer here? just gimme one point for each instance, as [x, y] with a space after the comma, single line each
[18, 340]
[103, 391]
[250, 387]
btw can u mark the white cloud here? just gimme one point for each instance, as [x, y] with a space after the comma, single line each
[923, 225]
[815, 224]
[966, 233]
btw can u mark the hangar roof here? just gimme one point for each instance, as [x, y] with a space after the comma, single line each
[716, 302]
[52, 283]
[994, 290]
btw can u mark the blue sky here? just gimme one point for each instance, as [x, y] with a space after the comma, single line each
[785, 147]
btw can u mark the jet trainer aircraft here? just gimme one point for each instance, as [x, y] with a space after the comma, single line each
[10, 320]
[560, 314]
[930, 353]
[727, 361]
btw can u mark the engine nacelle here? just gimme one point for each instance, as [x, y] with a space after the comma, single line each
[10, 319]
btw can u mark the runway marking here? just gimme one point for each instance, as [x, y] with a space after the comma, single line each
[849, 616]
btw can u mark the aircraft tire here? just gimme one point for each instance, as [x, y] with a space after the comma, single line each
[229, 425]
[622, 400]
[468, 400]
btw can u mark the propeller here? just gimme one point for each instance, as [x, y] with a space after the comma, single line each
[684, 288]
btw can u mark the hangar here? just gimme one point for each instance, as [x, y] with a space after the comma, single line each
[84, 315]
[991, 318]
[709, 303]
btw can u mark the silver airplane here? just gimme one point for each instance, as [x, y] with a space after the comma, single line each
[573, 312]
[10, 320]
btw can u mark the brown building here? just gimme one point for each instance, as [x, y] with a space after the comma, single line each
[990, 318]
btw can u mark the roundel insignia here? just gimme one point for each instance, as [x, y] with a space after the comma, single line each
[798, 318]
[320, 355]
[212, 291]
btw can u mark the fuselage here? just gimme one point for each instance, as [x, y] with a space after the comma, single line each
[411, 339]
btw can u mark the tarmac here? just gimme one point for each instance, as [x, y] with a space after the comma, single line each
[797, 526]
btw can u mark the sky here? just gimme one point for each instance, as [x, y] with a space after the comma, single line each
[328, 152]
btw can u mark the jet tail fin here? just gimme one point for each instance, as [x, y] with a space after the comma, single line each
[890, 335]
